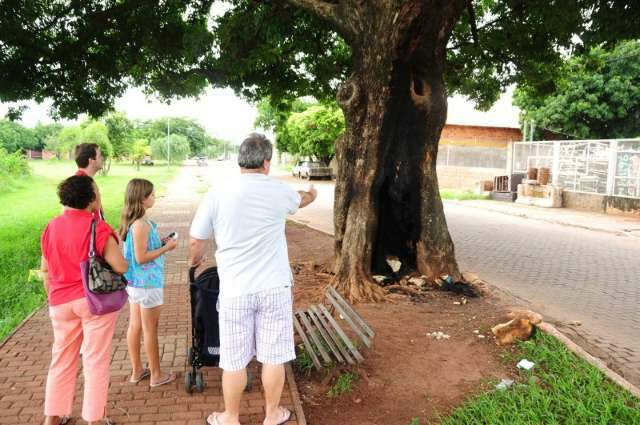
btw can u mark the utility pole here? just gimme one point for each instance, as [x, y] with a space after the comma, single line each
[168, 142]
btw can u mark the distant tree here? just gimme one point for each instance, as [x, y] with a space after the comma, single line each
[273, 115]
[42, 132]
[64, 142]
[314, 132]
[120, 132]
[179, 148]
[139, 149]
[217, 147]
[596, 95]
[193, 131]
[14, 136]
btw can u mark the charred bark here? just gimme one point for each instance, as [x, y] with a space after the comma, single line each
[387, 201]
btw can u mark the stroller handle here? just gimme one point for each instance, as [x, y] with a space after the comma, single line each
[192, 274]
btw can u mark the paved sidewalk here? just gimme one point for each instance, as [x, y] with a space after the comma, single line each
[619, 225]
[25, 355]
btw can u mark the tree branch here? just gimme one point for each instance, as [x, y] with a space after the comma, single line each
[317, 7]
[326, 11]
[472, 20]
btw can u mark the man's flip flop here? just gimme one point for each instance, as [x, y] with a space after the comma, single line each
[215, 419]
[167, 380]
[285, 415]
[145, 374]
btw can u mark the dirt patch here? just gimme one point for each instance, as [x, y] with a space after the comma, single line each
[407, 374]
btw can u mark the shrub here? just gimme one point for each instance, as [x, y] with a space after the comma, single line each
[12, 166]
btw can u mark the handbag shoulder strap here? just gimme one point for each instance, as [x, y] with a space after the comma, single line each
[92, 239]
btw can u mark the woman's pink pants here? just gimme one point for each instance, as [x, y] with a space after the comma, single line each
[75, 326]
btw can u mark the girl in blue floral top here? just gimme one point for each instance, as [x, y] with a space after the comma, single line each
[144, 250]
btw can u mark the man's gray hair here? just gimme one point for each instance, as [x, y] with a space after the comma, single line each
[254, 150]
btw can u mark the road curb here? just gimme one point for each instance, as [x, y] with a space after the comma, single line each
[302, 223]
[551, 330]
[295, 395]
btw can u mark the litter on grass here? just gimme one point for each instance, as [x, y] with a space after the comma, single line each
[504, 384]
[525, 364]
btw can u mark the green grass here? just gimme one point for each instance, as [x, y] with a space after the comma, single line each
[303, 361]
[460, 195]
[25, 212]
[560, 389]
[343, 385]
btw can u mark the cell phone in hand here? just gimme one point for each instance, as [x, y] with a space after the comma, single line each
[172, 235]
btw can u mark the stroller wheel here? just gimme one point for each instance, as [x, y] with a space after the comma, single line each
[188, 382]
[249, 381]
[199, 382]
[190, 356]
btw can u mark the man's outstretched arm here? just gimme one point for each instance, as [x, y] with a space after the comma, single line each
[308, 197]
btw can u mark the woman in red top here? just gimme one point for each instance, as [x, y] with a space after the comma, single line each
[65, 243]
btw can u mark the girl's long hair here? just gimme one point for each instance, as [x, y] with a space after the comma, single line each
[137, 191]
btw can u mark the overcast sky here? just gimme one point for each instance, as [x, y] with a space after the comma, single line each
[226, 116]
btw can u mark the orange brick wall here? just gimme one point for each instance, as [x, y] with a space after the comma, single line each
[472, 135]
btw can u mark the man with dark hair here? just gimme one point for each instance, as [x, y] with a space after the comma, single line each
[89, 159]
[255, 303]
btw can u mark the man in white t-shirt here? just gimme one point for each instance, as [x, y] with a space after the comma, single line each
[247, 215]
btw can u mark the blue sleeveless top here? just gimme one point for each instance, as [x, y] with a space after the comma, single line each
[148, 275]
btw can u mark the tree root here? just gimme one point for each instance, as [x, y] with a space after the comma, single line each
[357, 290]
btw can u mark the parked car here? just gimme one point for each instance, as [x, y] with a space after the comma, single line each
[311, 169]
[147, 160]
[201, 161]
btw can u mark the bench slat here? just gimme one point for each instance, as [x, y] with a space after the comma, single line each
[314, 336]
[307, 343]
[355, 314]
[336, 338]
[347, 317]
[320, 326]
[344, 336]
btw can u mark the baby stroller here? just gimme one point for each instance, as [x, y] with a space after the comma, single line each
[205, 333]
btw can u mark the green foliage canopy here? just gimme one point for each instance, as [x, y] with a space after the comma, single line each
[120, 132]
[177, 146]
[65, 140]
[314, 131]
[597, 95]
[96, 132]
[83, 56]
[14, 136]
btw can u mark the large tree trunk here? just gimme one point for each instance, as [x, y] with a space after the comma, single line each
[387, 201]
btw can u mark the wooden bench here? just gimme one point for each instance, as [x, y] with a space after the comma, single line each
[324, 338]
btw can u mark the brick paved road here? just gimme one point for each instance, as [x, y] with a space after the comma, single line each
[25, 356]
[566, 273]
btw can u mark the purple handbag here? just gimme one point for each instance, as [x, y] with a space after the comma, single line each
[99, 303]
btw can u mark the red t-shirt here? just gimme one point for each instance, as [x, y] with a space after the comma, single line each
[65, 243]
